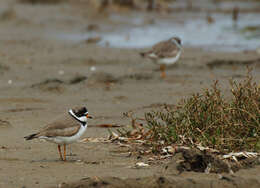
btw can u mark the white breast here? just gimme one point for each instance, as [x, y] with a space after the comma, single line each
[169, 60]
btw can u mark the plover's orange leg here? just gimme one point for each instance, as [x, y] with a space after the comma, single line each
[162, 68]
[60, 153]
[64, 146]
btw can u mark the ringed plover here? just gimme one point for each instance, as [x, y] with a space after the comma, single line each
[65, 130]
[165, 53]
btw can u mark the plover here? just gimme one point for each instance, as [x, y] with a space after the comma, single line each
[165, 53]
[65, 130]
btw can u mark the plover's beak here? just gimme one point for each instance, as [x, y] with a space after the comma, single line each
[89, 116]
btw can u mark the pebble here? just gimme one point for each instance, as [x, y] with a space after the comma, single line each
[93, 68]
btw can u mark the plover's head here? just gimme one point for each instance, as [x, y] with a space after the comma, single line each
[80, 113]
[176, 39]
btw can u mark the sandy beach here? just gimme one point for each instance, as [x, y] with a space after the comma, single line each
[43, 75]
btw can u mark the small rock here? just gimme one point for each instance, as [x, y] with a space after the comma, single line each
[61, 72]
[93, 68]
[93, 27]
[168, 150]
[77, 79]
[93, 39]
[141, 165]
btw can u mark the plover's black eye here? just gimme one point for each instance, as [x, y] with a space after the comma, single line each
[81, 111]
[179, 40]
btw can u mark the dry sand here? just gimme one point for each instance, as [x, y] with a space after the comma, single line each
[28, 57]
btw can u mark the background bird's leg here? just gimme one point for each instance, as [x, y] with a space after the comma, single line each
[70, 152]
[162, 68]
[60, 153]
[64, 146]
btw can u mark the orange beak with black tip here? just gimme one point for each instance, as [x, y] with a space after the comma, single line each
[89, 116]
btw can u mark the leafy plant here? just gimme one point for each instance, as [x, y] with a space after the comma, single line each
[209, 119]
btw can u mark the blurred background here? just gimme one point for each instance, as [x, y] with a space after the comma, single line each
[222, 25]
[230, 25]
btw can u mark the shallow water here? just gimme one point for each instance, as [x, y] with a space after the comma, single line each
[135, 30]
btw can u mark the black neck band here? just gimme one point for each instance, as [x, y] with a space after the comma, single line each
[82, 122]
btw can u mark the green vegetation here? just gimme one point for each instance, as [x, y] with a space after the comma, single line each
[208, 119]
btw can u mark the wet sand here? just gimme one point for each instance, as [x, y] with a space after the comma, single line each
[29, 56]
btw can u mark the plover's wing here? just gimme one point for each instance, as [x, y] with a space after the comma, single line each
[64, 126]
[165, 49]
[68, 131]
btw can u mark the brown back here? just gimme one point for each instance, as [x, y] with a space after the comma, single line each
[165, 49]
[63, 126]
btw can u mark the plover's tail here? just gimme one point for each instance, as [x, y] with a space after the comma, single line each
[30, 137]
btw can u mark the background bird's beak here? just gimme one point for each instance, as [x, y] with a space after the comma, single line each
[89, 116]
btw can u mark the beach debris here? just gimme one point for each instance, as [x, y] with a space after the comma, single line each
[3, 148]
[103, 77]
[77, 79]
[218, 62]
[123, 145]
[128, 3]
[95, 140]
[48, 81]
[63, 184]
[207, 170]
[61, 72]
[209, 18]
[168, 150]
[93, 27]
[137, 76]
[106, 125]
[151, 5]
[4, 123]
[51, 85]
[196, 158]
[93, 39]
[202, 148]
[93, 68]
[235, 14]
[141, 165]
[3, 68]
[55, 84]
[189, 5]
[113, 136]
[21, 110]
[8, 14]
[236, 156]
[250, 31]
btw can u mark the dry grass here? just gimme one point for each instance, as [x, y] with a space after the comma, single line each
[207, 119]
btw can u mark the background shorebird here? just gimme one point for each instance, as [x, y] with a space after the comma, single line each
[165, 53]
[65, 130]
